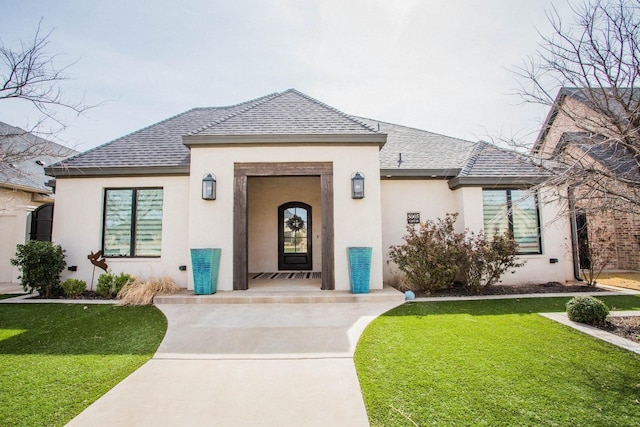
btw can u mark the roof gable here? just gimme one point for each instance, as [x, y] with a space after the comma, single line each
[283, 117]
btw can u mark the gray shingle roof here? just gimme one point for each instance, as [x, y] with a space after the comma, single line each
[26, 170]
[158, 145]
[287, 113]
[617, 158]
[160, 148]
[420, 150]
[492, 165]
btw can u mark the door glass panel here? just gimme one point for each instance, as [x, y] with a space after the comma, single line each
[295, 230]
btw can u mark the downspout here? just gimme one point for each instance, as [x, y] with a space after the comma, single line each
[574, 235]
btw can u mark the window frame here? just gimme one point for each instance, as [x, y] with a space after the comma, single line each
[133, 217]
[509, 212]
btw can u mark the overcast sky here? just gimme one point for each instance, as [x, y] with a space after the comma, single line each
[438, 65]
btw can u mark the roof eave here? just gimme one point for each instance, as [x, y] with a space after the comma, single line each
[419, 173]
[115, 171]
[289, 139]
[25, 188]
[495, 181]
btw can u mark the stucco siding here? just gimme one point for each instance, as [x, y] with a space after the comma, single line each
[265, 195]
[15, 207]
[433, 199]
[356, 222]
[78, 226]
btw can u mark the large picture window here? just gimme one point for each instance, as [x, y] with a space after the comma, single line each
[132, 222]
[514, 212]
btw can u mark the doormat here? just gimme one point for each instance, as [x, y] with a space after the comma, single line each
[289, 275]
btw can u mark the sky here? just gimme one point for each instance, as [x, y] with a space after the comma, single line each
[445, 66]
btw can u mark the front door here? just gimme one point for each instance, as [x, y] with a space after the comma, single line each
[294, 236]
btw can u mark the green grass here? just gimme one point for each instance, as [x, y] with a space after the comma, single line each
[56, 359]
[494, 363]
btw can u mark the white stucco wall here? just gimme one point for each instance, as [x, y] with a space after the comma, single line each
[433, 199]
[265, 194]
[78, 220]
[15, 208]
[356, 222]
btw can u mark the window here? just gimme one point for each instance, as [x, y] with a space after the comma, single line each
[514, 212]
[132, 222]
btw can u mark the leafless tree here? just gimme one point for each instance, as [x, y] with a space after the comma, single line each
[587, 72]
[29, 74]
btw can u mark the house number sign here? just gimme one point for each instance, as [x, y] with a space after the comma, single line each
[413, 217]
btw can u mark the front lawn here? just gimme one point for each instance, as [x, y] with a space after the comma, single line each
[56, 359]
[494, 363]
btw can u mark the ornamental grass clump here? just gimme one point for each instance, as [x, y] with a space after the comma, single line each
[139, 292]
[587, 309]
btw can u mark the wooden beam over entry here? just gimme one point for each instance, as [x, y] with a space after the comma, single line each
[241, 221]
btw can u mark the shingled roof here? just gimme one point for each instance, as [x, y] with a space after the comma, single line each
[489, 165]
[415, 152]
[162, 148]
[290, 117]
[23, 157]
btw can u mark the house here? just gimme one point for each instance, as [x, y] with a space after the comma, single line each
[583, 128]
[26, 200]
[295, 183]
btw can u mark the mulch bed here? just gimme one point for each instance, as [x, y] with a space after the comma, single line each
[91, 295]
[542, 288]
[626, 327]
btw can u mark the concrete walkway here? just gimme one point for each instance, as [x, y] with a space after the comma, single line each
[246, 365]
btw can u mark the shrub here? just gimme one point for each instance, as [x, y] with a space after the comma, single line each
[110, 284]
[434, 256]
[40, 265]
[73, 288]
[431, 256]
[138, 292]
[488, 259]
[587, 309]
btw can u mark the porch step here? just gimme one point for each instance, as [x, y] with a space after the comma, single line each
[387, 294]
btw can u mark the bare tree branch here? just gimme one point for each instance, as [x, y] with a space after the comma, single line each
[591, 142]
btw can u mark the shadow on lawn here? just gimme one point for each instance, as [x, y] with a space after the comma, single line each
[505, 306]
[68, 329]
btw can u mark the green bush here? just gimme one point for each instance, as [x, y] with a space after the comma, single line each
[110, 284]
[73, 288]
[587, 309]
[40, 265]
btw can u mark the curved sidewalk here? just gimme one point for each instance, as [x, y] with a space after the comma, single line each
[246, 365]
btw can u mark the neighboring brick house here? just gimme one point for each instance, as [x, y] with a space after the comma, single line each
[26, 201]
[574, 128]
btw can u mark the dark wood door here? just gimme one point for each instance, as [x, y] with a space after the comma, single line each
[294, 236]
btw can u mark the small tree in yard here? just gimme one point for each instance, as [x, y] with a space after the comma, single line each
[489, 259]
[432, 254]
[598, 249]
[40, 265]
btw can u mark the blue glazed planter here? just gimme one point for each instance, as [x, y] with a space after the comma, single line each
[205, 264]
[359, 269]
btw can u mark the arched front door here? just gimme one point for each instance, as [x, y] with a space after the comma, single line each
[294, 236]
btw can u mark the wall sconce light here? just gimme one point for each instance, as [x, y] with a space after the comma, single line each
[357, 186]
[209, 187]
